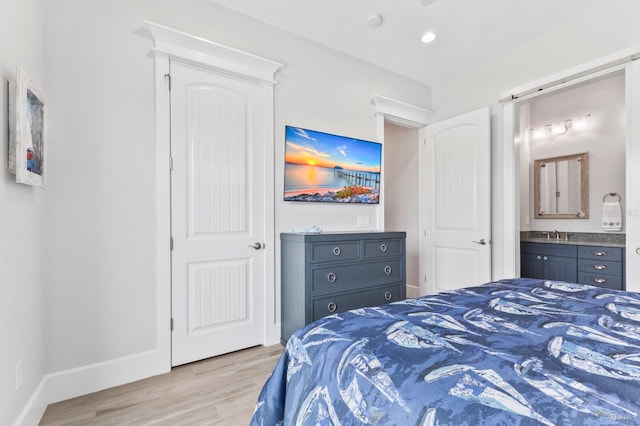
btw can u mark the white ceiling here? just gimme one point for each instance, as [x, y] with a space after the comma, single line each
[468, 30]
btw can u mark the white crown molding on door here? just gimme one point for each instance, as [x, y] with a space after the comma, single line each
[196, 50]
[402, 113]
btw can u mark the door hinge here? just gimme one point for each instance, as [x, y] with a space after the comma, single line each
[171, 324]
[425, 233]
[425, 279]
[168, 77]
[171, 243]
[170, 163]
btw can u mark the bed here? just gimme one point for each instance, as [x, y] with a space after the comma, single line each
[512, 352]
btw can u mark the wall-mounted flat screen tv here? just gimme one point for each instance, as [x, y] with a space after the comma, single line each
[321, 167]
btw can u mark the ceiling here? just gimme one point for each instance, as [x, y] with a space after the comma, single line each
[467, 31]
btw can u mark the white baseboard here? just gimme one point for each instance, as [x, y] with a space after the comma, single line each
[75, 382]
[412, 291]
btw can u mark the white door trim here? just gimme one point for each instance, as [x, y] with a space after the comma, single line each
[508, 243]
[401, 114]
[170, 43]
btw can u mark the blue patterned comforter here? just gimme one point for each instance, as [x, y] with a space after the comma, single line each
[514, 352]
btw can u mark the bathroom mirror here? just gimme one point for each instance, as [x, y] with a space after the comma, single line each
[561, 187]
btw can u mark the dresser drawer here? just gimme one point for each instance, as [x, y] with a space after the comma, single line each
[600, 280]
[346, 277]
[600, 253]
[383, 248]
[335, 251]
[600, 267]
[343, 302]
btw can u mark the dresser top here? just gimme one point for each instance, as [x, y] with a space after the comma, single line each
[340, 236]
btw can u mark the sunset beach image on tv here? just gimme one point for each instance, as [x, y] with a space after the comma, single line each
[322, 167]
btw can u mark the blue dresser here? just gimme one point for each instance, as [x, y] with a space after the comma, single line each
[324, 274]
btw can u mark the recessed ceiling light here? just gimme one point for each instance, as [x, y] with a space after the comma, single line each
[374, 20]
[428, 37]
[426, 3]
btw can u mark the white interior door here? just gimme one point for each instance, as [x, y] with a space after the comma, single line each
[217, 213]
[455, 202]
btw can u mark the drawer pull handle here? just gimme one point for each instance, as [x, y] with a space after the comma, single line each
[331, 277]
[387, 270]
[388, 295]
[336, 251]
[383, 247]
[599, 267]
[598, 253]
[331, 307]
[599, 280]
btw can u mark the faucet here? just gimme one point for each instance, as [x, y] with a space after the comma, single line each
[556, 234]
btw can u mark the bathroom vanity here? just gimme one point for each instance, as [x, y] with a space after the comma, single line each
[592, 261]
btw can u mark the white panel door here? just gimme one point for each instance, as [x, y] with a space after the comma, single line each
[217, 213]
[455, 202]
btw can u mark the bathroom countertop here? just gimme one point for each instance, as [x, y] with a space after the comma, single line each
[576, 238]
[576, 243]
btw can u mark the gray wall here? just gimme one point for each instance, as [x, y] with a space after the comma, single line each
[101, 199]
[22, 230]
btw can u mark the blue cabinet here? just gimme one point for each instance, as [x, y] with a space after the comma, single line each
[324, 274]
[549, 261]
[590, 265]
[601, 266]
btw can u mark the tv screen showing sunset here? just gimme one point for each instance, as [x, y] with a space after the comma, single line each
[330, 168]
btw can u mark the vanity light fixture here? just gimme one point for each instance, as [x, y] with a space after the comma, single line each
[556, 129]
[428, 37]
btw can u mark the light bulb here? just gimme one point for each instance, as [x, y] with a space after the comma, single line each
[581, 123]
[538, 133]
[558, 129]
[428, 37]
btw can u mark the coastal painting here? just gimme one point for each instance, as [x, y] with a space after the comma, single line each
[26, 131]
[323, 167]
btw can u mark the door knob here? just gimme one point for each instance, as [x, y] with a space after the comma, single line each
[256, 246]
[482, 242]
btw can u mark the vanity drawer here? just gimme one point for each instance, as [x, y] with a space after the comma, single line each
[335, 251]
[383, 248]
[548, 249]
[343, 302]
[600, 253]
[345, 277]
[600, 267]
[600, 280]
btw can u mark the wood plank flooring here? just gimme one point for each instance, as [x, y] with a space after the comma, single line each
[217, 391]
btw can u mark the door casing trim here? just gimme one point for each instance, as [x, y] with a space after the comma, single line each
[177, 45]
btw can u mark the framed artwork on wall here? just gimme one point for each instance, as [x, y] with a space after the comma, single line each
[27, 125]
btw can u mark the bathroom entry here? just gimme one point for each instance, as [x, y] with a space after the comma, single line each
[589, 118]
[584, 125]
[585, 119]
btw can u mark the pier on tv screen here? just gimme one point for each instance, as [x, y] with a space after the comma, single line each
[321, 167]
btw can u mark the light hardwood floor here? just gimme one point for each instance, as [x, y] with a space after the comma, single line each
[217, 391]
